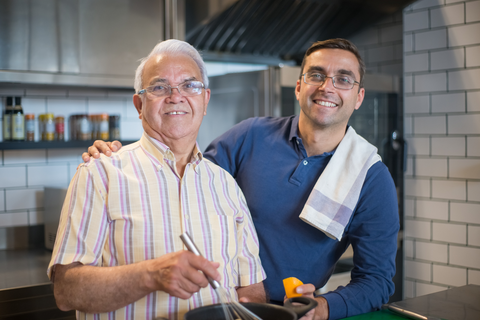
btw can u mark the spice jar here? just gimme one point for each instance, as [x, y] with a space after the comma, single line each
[49, 126]
[103, 127]
[84, 127]
[60, 128]
[30, 126]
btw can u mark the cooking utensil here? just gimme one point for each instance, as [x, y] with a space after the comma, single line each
[232, 310]
[263, 310]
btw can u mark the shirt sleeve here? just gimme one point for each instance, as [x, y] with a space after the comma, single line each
[250, 266]
[82, 228]
[373, 234]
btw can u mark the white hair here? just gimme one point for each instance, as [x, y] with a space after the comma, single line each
[174, 47]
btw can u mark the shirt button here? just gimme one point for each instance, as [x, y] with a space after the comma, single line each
[187, 217]
[298, 142]
[305, 162]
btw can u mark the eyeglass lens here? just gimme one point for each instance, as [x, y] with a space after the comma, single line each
[318, 79]
[189, 88]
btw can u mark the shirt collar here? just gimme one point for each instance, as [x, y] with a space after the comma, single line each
[161, 152]
[294, 129]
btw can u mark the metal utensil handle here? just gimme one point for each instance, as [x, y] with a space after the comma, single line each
[188, 242]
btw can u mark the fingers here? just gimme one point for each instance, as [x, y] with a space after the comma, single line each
[115, 145]
[179, 274]
[306, 290]
[309, 315]
[102, 147]
[85, 157]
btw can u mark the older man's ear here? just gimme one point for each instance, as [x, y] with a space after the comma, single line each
[138, 103]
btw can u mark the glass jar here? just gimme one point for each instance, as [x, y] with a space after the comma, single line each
[84, 127]
[103, 127]
[49, 126]
[60, 128]
[30, 126]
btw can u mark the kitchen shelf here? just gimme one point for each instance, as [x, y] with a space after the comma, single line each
[18, 145]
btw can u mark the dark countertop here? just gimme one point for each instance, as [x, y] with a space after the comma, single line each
[25, 267]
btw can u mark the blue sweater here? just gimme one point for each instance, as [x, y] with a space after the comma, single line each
[267, 158]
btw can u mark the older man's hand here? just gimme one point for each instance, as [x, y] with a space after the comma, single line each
[177, 273]
[100, 146]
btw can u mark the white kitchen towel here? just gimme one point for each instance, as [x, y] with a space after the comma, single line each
[331, 202]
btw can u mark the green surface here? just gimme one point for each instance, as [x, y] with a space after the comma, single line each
[378, 315]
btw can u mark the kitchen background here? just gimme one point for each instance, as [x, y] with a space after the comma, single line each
[432, 46]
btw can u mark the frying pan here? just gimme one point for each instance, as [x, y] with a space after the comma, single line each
[263, 310]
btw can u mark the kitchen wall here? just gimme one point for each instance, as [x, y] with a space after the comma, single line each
[442, 125]
[381, 45]
[24, 173]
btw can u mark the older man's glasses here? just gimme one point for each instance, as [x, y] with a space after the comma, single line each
[187, 88]
[339, 82]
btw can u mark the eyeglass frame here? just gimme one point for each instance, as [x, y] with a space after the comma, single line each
[325, 80]
[142, 91]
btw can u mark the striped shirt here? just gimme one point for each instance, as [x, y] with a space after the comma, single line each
[134, 206]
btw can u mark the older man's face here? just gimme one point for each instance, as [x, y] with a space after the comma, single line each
[175, 117]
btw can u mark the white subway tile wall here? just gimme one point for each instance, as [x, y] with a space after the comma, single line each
[452, 276]
[473, 276]
[431, 167]
[473, 55]
[24, 173]
[449, 189]
[417, 104]
[452, 102]
[473, 188]
[473, 97]
[473, 144]
[450, 59]
[448, 146]
[419, 146]
[442, 234]
[381, 46]
[430, 209]
[418, 270]
[447, 15]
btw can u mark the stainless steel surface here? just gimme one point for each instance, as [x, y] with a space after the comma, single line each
[27, 267]
[278, 30]
[459, 303]
[188, 242]
[236, 97]
[79, 42]
[53, 202]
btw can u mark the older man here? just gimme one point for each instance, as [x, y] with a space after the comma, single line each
[118, 253]
[314, 187]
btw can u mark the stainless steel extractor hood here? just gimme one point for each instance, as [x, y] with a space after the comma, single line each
[278, 31]
[81, 42]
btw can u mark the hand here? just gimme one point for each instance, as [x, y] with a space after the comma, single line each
[177, 273]
[308, 290]
[99, 146]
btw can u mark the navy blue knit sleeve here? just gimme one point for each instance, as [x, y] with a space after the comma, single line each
[373, 234]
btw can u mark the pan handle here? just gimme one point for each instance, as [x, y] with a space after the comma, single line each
[307, 305]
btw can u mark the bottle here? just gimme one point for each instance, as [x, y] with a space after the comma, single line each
[49, 126]
[84, 127]
[103, 126]
[18, 121]
[114, 127]
[7, 120]
[30, 126]
[60, 128]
